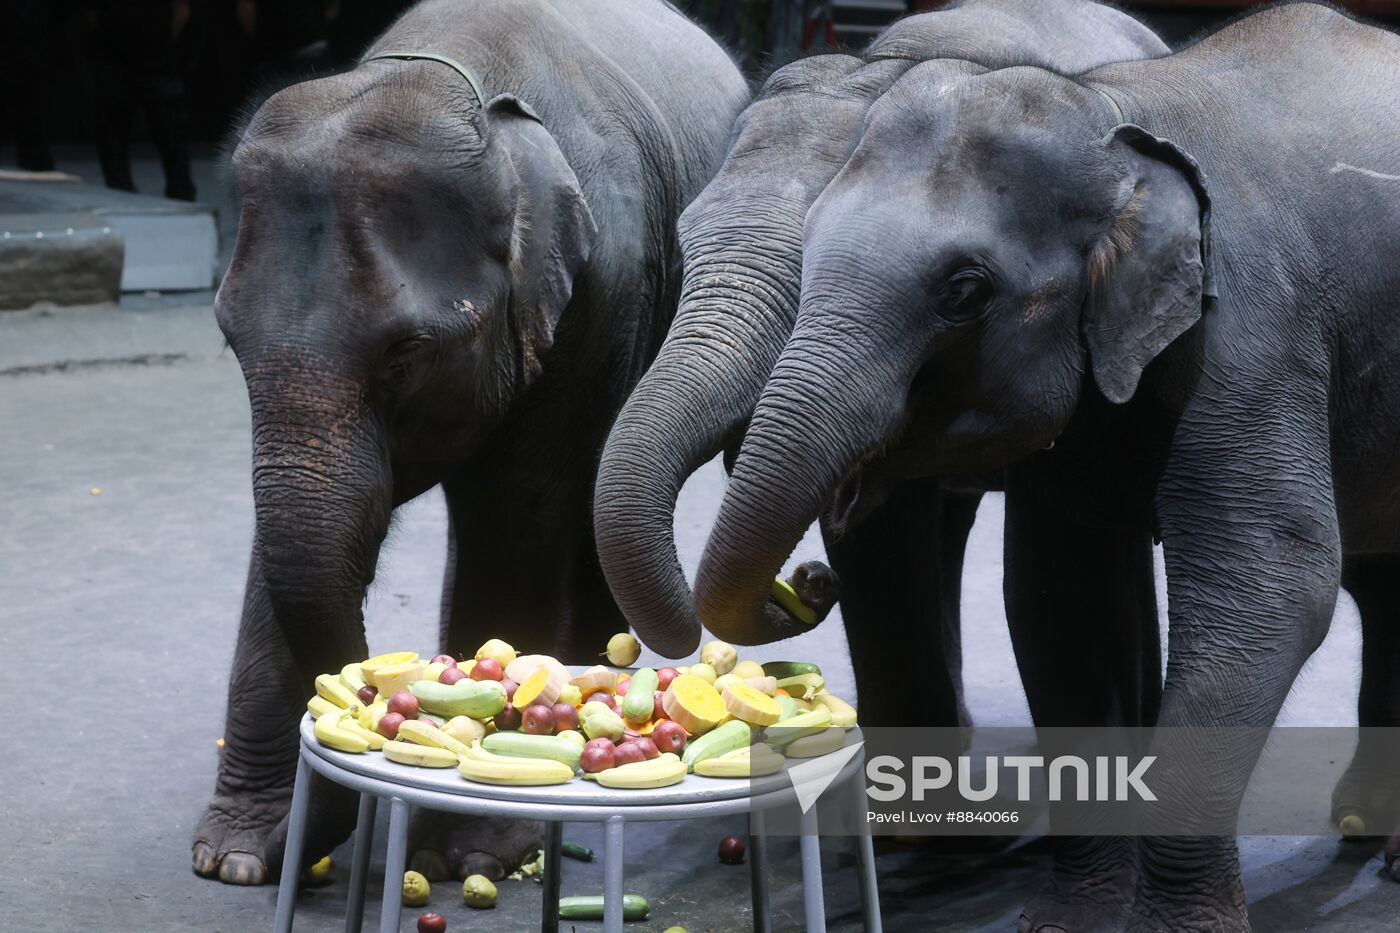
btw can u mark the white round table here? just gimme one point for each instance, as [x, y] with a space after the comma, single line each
[444, 790]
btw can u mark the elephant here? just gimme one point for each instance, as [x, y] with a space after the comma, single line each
[454, 261]
[742, 243]
[1160, 296]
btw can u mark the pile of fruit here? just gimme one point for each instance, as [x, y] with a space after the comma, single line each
[507, 718]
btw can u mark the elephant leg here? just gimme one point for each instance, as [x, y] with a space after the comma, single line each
[1367, 798]
[901, 574]
[1082, 612]
[241, 836]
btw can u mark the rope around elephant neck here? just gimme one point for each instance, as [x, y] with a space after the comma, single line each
[442, 60]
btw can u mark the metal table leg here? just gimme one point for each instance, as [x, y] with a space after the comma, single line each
[359, 866]
[814, 905]
[612, 875]
[865, 863]
[758, 873]
[296, 842]
[394, 863]
[553, 868]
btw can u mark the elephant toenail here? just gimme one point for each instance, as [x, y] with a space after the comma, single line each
[204, 863]
[1023, 925]
[429, 864]
[242, 868]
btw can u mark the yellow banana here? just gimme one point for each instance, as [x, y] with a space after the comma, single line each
[488, 768]
[368, 717]
[352, 677]
[843, 714]
[318, 706]
[411, 730]
[422, 756]
[817, 744]
[329, 734]
[749, 761]
[330, 687]
[352, 726]
[658, 772]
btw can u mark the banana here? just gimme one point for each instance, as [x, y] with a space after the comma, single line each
[329, 734]
[369, 716]
[318, 706]
[817, 744]
[658, 772]
[411, 730]
[843, 714]
[802, 686]
[489, 768]
[749, 761]
[330, 687]
[352, 726]
[423, 756]
[732, 735]
[794, 728]
[352, 677]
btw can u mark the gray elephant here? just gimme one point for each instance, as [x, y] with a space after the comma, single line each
[742, 240]
[1180, 274]
[449, 270]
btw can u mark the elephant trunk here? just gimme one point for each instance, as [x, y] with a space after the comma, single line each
[738, 304]
[322, 496]
[833, 398]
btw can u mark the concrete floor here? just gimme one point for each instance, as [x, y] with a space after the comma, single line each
[123, 545]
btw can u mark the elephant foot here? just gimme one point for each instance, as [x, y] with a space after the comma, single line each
[1366, 803]
[243, 834]
[446, 846]
[1190, 884]
[1090, 890]
[1392, 857]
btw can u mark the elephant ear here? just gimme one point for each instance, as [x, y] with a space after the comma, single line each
[1149, 276]
[553, 231]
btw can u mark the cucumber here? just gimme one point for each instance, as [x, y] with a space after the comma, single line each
[641, 695]
[732, 735]
[575, 851]
[478, 699]
[524, 745]
[590, 907]
[781, 669]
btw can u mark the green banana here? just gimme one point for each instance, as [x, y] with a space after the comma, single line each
[790, 730]
[721, 740]
[478, 699]
[802, 686]
[749, 761]
[524, 745]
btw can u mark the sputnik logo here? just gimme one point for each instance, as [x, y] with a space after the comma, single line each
[810, 779]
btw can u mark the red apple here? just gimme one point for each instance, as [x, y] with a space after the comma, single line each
[565, 716]
[628, 752]
[537, 720]
[596, 758]
[405, 704]
[600, 696]
[367, 694]
[432, 923]
[669, 736]
[601, 741]
[509, 686]
[389, 725]
[445, 659]
[487, 669]
[648, 747]
[507, 719]
[664, 676]
[452, 675]
[658, 709]
[731, 850]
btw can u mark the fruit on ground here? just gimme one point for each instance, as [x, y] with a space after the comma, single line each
[720, 655]
[669, 736]
[590, 907]
[595, 758]
[537, 720]
[488, 669]
[731, 850]
[405, 704]
[623, 649]
[479, 892]
[496, 650]
[565, 716]
[416, 889]
[320, 871]
[507, 719]
[664, 676]
[694, 704]
[451, 675]
[432, 923]
[366, 695]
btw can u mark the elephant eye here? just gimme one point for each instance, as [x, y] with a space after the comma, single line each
[967, 295]
[400, 359]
